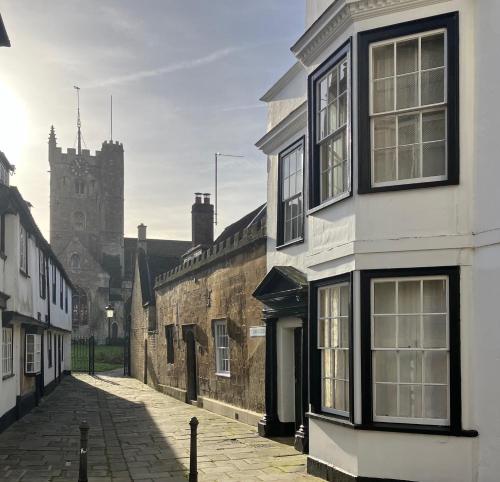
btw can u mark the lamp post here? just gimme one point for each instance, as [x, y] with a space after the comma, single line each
[110, 313]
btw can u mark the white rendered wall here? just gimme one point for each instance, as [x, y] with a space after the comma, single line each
[9, 388]
[417, 228]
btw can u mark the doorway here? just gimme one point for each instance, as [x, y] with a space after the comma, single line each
[192, 377]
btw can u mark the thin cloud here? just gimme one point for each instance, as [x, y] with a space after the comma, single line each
[243, 107]
[167, 69]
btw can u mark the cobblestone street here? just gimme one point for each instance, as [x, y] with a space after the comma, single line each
[136, 434]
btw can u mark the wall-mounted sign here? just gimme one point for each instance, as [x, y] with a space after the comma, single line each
[256, 331]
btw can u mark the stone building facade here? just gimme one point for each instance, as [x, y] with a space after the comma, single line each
[176, 347]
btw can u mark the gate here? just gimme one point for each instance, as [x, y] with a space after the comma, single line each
[83, 355]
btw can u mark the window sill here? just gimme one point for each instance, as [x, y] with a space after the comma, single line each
[328, 203]
[290, 243]
[3, 255]
[23, 273]
[404, 187]
[6, 377]
[223, 375]
[394, 427]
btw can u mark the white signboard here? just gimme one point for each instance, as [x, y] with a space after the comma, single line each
[256, 331]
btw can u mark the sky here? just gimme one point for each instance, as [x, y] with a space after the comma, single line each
[186, 77]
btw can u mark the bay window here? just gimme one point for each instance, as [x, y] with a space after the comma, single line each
[330, 107]
[291, 207]
[410, 346]
[409, 105]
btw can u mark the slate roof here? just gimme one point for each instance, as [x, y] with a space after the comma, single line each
[246, 221]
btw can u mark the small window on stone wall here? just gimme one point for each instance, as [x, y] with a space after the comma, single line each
[169, 335]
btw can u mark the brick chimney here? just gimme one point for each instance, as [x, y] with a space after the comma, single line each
[202, 220]
[141, 236]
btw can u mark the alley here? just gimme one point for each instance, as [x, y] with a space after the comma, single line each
[136, 434]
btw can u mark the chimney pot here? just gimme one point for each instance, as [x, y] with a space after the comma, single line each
[197, 197]
[206, 197]
[202, 221]
[141, 232]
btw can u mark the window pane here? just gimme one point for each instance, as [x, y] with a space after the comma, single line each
[335, 332]
[323, 93]
[385, 297]
[343, 77]
[340, 395]
[338, 179]
[324, 307]
[408, 129]
[335, 301]
[386, 366]
[333, 90]
[435, 331]
[344, 300]
[383, 61]
[432, 51]
[383, 95]
[342, 110]
[436, 367]
[435, 296]
[435, 401]
[332, 118]
[385, 165]
[384, 129]
[341, 364]
[407, 91]
[286, 188]
[338, 148]
[410, 367]
[384, 331]
[287, 230]
[327, 393]
[323, 327]
[409, 331]
[409, 162]
[292, 185]
[407, 56]
[433, 126]
[328, 362]
[433, 86]
[409, 297]
[410, 401]
[434, 158]
[386, 400]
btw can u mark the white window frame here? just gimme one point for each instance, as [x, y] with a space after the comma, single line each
[410, 110]
[222, 354]
[347, 126]
[323, 348]
[410, 420]
[33, 353]
[7, 352]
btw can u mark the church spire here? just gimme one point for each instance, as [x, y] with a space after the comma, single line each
[52, 136]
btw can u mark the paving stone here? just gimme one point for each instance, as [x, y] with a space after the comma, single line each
[136, 434]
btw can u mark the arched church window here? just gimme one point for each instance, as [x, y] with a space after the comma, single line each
[79, 221]
[79, 186]
[80, 307]
[74, 261]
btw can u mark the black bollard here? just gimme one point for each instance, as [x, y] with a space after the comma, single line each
[84, 432]
[193, 457]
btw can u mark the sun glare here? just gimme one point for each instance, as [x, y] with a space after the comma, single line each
[13, 124]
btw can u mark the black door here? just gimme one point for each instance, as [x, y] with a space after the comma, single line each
[192, 389]
[297, 339]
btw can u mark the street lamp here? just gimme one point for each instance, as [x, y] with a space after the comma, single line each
[110, 313]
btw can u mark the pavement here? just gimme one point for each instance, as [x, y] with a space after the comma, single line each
[136, 434]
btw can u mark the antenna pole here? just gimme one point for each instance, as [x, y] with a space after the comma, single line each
[111, 118]
[217, 155]
[78, 122]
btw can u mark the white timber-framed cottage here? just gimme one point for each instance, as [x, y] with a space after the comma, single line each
[35, 307]
[383, 251]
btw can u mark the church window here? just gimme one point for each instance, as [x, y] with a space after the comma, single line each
[79, 186]
[74, 261]
[79, 221]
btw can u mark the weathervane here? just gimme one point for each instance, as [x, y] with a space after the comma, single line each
[78, 122]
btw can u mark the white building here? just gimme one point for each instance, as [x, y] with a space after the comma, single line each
[383, 241]
[35, 308]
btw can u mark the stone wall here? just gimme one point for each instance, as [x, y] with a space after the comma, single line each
[216, 285]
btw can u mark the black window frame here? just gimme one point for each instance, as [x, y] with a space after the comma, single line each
[280, 235]
[42, 274]
[61, 290]
[170, 338]
[455, 395]
[49, 348]
[314, 173]
[450, 22]
[315, 353]
[54, 283]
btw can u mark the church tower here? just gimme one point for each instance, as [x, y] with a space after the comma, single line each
[86, 229]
